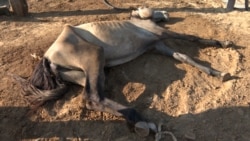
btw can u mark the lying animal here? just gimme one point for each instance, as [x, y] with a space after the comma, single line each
[81, 52]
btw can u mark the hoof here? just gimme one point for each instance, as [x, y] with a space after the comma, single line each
[142, 128]
[225, 77]
[152, 127]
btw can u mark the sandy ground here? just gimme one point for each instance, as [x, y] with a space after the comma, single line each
[187, 101]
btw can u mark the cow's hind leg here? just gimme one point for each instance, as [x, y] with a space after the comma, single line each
[163, 49]
[97, 101]
[94, 89]
[92, 78]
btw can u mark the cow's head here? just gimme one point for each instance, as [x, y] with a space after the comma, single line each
[149, 13]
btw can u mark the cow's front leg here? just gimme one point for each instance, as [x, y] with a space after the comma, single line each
[170, 34]
[163, 49]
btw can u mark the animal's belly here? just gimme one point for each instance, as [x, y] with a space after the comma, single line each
[113, 60]
[124, 50]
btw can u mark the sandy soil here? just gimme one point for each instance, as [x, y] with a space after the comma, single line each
[188, 102]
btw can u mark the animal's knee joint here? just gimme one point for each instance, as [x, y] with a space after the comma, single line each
[93, 105]
[89, 105]
[181, 57]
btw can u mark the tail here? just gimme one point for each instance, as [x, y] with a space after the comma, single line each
[42, 86]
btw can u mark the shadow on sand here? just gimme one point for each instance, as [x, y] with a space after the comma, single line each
[231, 123]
